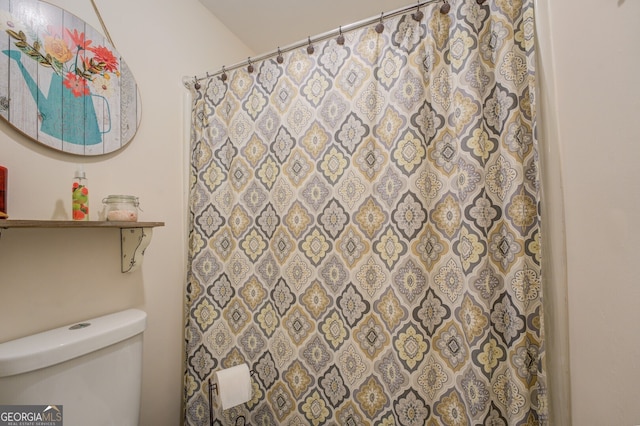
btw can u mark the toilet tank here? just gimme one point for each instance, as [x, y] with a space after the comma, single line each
[91, 369]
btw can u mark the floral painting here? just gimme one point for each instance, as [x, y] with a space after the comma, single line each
[83, 98]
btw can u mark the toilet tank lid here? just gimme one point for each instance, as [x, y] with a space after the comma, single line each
[64, 343]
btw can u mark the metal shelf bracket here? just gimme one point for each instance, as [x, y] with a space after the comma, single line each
[133, 243]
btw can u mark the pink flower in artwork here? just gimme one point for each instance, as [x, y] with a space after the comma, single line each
[105, 56]
[77, 40]
[76, 84]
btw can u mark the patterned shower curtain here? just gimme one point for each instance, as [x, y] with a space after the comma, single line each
[365, 227]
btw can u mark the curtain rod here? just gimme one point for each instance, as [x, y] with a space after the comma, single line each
[192, 81]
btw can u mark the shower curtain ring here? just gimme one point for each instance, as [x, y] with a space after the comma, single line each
[380, 26]
[445, 8]
[310, 48]
[418, 15]
[279, 58]
[223, 77]
[340, 39]
[250, 67]
[196, 84]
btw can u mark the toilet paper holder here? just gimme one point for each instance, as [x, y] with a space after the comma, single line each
[213, 387]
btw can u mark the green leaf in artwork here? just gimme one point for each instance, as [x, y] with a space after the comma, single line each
[17, 35]
[55, 64]
[31, 51]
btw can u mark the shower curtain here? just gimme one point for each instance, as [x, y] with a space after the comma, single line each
[365, 227]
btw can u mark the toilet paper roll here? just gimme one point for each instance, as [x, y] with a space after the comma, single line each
[234, 385]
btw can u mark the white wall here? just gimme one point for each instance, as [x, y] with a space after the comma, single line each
[591, 100]
[50, 278]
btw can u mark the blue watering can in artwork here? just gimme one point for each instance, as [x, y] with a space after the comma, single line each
[64, 116]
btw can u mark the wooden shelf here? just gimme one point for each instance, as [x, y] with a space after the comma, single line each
[135, 237]
[10, 223]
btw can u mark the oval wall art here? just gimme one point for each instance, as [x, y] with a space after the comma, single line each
[62, 83]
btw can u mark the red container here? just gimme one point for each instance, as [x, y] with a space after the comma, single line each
[4, 174]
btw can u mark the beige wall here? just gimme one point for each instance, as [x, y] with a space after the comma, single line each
[50, 278]
[590, 54]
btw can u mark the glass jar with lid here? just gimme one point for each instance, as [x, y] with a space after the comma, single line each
[121, 208]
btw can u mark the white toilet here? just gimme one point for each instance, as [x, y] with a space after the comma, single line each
[93, 369]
